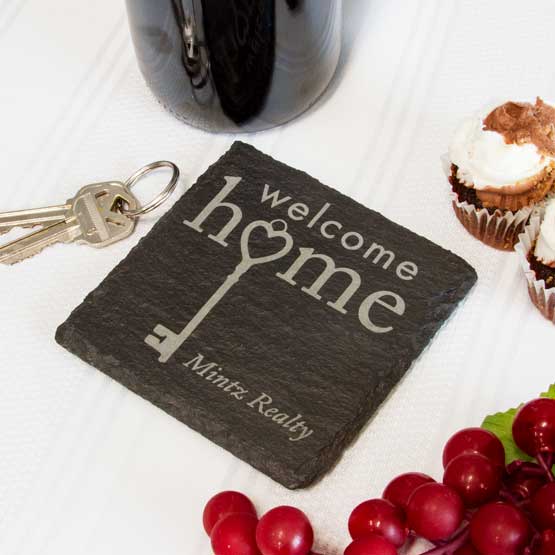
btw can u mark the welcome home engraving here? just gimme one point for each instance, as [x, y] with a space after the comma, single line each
[269, 313]
[167, 342]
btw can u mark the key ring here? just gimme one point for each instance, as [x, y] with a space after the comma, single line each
[162, 197]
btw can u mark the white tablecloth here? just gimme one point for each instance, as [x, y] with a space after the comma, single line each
[86, 467]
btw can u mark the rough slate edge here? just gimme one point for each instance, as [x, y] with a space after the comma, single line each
[71, 339]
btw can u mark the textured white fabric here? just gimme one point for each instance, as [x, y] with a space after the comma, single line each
[87, 467]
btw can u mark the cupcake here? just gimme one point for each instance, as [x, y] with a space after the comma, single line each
[501, 166]
[536, 249]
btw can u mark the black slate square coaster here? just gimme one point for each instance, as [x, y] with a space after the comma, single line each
[269, 312]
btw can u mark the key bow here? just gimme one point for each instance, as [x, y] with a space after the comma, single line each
[272, 232]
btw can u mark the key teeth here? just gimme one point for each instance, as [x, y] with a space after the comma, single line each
[165, 343]
[16, 258]
[10, 255]
[163, 332]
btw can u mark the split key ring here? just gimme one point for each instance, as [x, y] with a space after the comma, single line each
[159, 199]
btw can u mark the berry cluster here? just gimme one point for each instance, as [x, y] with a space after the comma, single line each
[482, 506]
[230, 520]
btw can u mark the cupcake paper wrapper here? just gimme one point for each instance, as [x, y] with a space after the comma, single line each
[543, 298]
[499, 229]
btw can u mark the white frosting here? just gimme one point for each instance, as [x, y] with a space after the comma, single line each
[545, 247]
[485, 161]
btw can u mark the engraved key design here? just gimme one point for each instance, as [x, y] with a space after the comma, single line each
[167, 342]
[92, 217]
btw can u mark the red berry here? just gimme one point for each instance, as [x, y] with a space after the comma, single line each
[542, 507]
[284, 531]
[435, 511]
[380, 517]
[534, 427]
[546, 545]
[235, 535]
[370, 545]
[474, 477]
[523, 485]
[499, 529]
[474, 440]
[467, 549]
[399, 490]
[223, 504]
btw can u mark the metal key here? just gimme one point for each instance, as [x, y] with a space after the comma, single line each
[33, 218]
[94, 217]
[166, 342]
[99, 215]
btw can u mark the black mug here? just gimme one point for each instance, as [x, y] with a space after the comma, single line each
[236, 65]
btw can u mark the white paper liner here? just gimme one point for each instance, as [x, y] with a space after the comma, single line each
[542, 297]
[499, 229]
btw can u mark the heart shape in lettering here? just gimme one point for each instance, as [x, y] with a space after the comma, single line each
[275, 229]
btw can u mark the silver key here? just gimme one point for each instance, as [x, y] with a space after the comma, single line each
[99, 215]
[34, 217]
[97, 209]
[94, 217]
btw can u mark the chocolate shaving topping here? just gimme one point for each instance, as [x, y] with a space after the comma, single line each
[523, 122]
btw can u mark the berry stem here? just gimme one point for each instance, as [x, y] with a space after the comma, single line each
[543, 459]
[456, 542]
[536, 539]
[529, 469]
[507, 496]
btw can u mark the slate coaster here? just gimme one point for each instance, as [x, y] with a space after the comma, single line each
[269, 312]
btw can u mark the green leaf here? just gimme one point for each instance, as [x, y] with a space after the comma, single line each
[501, 424]
[550, 393]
